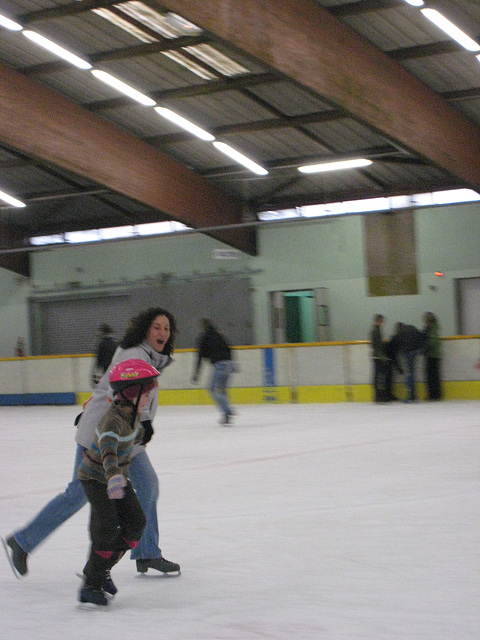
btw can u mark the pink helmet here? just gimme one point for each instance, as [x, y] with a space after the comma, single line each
[129, 376]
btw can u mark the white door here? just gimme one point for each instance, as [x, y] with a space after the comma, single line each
[469, 306]
[318, 316]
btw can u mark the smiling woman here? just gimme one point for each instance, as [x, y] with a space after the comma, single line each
[149, 337]
[159, 333]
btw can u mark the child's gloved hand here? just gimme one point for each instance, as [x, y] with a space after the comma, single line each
[147, 431]
[116, 487]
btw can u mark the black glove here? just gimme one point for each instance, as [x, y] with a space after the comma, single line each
[147, 431]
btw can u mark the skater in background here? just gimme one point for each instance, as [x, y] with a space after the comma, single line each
[150, 337]
[104, 353]
[433, 356]
[116, 518]
[20, 350]
[411, 343]
[214, 347]
[380, 360]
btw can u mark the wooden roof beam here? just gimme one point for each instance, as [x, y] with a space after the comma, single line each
[307, 43]
[40, 122]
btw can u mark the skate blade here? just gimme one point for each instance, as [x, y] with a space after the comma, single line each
[10, 560]
[159, 575]
[90, 606]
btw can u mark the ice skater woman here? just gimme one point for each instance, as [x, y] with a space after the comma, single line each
[150, 337]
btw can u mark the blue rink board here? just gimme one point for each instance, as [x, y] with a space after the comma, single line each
[36, 398]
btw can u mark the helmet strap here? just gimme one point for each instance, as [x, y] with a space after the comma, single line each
[135, 404]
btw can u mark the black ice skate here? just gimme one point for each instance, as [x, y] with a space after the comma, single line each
[16, 556]
[109, 586]
[89, 595]
[160, 564]
[227, 418]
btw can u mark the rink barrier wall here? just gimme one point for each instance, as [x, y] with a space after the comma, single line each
[284, 373]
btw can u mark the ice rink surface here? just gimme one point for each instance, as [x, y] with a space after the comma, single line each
[300, 522]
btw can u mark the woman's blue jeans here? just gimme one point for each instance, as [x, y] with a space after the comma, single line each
[66, 504]
[218, 385]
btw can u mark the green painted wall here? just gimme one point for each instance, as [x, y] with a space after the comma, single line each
[311, 253]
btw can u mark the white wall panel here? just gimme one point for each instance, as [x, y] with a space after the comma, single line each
[320, 365]
[342, 364]
[53, 375]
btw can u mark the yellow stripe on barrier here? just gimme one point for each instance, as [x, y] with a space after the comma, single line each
[464, 390]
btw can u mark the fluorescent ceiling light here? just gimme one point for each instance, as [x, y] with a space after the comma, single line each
[184, 124]
[10, 200]
[42, 240]
[57, 50]
[240, 158]
[9, 24]
[157, 228]
[124, 88]
[450, 29]
[415, 3]
[335, 166]
[77, 237]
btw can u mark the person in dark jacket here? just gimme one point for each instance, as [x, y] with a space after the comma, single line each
[433, 356]
[214, 347]
[104, 354]
[392, 351]
[379, 360]
[411, 342]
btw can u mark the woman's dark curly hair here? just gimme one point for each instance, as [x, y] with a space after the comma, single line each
[138, 327]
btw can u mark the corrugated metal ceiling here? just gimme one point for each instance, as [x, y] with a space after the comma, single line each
[278, 122]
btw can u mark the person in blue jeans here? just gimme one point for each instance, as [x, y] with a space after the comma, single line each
[150, 337]
[213, 346]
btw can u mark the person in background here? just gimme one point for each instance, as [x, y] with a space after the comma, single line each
[393, 365]
[149, 336]
[214, 347]
[380, 360]
[20, 350]
[411, 343]
[104, 353]
[433, 356]
[116, 519]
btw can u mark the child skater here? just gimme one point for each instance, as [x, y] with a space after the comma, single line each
[116, 520]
